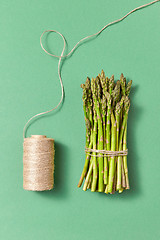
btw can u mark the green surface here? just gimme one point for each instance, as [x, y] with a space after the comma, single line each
[29, 84]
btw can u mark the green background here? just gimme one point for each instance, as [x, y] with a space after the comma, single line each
[29, 84]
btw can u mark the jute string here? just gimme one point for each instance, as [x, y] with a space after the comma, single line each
[38, 156]
[38, 163]
[105, 153]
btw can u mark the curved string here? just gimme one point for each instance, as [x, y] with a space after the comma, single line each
[72, 50]
[62, 88]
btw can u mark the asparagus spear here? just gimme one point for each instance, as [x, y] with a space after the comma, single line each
[108, 133]
[118, 110]
[95, 84]
[125, 158]
[104, 83]
[128, 89]
[87, 106]
[126, 109]
[104, 106]
[94, 158]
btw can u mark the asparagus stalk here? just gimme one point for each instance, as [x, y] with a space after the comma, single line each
[124, 164]
[108, 133]
[108, 130]
[126, 109]
[94, 158]
[125, 158]
[89, 143]
[104, 105]
[97, 101]
[118, 109]
[104, 83]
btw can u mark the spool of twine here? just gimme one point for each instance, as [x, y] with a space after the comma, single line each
[38, 163]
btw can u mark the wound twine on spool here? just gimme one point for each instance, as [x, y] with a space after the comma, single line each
[38, 163]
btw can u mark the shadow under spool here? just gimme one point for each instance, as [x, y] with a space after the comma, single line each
[38, 163]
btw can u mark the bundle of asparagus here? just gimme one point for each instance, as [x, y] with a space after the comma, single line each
[106, 105]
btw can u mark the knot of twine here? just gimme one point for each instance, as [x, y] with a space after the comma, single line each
[106, 153]
[38, 163]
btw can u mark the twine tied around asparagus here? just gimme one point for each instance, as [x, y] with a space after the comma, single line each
[106, 153]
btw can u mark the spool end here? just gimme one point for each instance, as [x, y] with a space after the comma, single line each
[38, 136]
